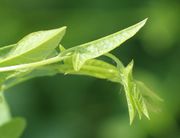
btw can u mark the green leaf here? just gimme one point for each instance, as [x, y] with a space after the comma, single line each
[102, 46]
[147, 92]
[4, 110]
[135, 99]
[61, 48]
[78, 60]
[151, 99]
[12, 78]
[139, 97]
[34, 47]
[5, 49]
[127, 82]
[140, 102]
[3, 77]
[13, 128]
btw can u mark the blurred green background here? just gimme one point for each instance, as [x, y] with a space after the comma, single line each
[84, 107]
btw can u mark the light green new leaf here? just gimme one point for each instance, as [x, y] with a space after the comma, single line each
[5, 49]
[3, 53]
[139, 97]
[13, 78]
[102, 46]
[151, 99]
[4, 110]
[61, 48]
[147, 92]
[34, 47]
[135, 99]
[127, 82]
[3, 77]
[13, 128]
[140, 102]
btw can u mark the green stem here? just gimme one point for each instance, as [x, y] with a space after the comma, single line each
[92, 70]
[5, 115]
[33, 65]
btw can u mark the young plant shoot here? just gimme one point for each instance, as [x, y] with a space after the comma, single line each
[41, 54]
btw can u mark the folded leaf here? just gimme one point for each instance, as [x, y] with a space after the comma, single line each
[127, 82]
[34, 47]
[102, 46]
[151, 99]
[140, 102]
[139, 97]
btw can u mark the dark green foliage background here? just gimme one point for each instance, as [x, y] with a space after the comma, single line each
[83, 107]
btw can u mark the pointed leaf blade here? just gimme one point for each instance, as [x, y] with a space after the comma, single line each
[106, 44]
[34, 47]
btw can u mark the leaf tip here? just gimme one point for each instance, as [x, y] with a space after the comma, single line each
[143, 22]
[61, 48]
[60, 30]
[64, 28]
[131, 114]
[139, 25]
